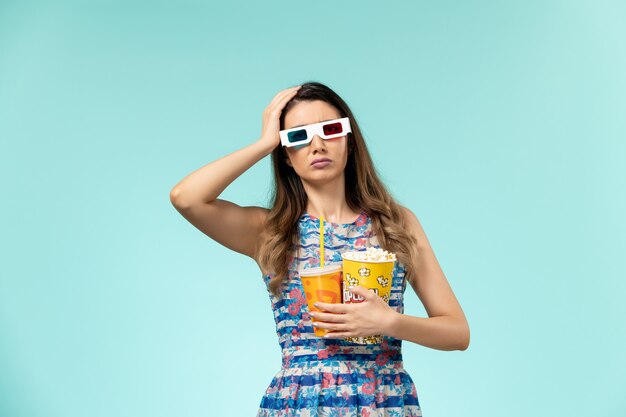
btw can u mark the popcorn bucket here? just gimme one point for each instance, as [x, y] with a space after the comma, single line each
[375, 276]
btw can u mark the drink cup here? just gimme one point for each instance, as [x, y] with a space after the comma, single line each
[375, 276]
[321, 284]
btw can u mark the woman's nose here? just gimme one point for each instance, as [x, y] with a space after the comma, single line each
[317, 142]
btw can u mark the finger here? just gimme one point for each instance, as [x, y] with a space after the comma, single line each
[328, 317]
[276, 109]
[337, 335]
[283, 100]
[363, 292]
[332, 307]
[329, 326]
[284, 93]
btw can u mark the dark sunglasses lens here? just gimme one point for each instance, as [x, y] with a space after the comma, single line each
[333, 129]
[296, 136]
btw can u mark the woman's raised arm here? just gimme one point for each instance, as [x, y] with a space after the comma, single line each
[196, 196]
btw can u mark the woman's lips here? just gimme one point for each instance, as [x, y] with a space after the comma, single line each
[321, 163]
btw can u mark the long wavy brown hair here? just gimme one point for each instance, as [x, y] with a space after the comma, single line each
[364, 192]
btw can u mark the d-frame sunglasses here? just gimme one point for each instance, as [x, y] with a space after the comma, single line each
[302, 135]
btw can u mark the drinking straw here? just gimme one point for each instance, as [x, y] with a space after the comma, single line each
[321, 240]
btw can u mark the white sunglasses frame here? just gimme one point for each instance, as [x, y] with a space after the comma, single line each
[316, 128]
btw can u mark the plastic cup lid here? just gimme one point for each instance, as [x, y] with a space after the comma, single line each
[320, 270]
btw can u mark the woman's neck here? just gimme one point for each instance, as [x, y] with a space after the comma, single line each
[328, 200]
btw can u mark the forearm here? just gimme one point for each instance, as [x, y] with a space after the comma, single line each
[442, 332]
[207, 183]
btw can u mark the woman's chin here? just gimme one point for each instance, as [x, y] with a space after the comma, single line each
[322, 176]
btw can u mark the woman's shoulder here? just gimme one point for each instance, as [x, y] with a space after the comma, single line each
[412, 224]
[407, 213]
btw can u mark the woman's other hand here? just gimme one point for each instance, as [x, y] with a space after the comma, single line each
[371, 317]
[270, 137]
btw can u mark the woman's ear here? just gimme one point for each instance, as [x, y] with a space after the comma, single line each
[288, 161]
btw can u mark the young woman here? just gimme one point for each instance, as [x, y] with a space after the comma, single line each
[332, 179]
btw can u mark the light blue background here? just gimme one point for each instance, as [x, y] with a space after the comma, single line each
[500, 124]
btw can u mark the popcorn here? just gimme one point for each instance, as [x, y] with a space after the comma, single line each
[371, 254]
